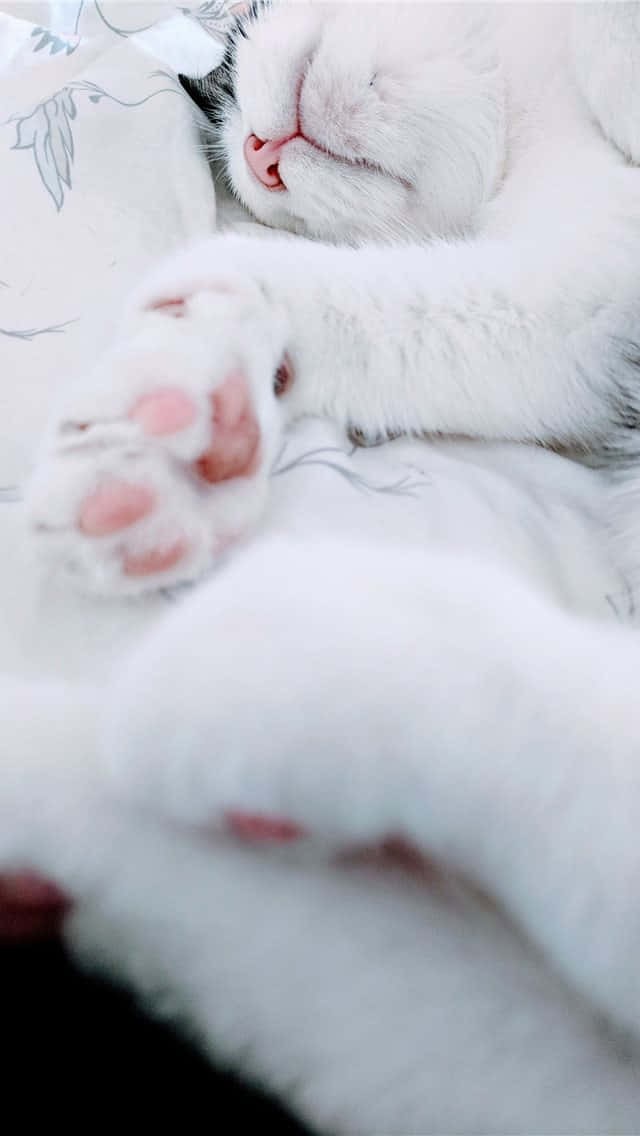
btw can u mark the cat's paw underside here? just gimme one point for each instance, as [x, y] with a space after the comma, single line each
[159, 458]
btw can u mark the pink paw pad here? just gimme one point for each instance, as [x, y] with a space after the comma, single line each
[174, 308]
[114, 506]
[234, 452]
[249, 826]
[157, 560]
[236, 435]
[164, 412]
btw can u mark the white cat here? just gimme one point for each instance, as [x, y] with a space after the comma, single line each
[354, 686]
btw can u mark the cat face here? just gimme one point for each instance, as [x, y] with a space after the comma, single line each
[352, 122]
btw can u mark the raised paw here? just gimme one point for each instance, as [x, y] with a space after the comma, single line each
[257, 706]
[160, 459]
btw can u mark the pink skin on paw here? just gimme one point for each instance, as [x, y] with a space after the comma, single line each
[249, 826]
[174, 308]
[163, 412]
[393, 853]
[236, 442]
[157, 560]
[114, 506]
[30, 907]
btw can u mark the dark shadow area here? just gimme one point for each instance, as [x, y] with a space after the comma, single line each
[76, 1049]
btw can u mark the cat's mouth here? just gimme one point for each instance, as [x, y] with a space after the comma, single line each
[263, 159]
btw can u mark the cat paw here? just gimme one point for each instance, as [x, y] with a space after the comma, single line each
[160, 458]
[236, 714]
[30, 907]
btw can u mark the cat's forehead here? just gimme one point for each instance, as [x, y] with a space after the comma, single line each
[391, 33]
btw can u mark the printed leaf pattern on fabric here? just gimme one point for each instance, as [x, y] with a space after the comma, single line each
[47, 131]
[30, 333]
[406, 486]
[55, 43]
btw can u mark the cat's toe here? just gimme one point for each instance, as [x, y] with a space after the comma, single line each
[113, 507]
[119, 520]
[255, 827]
[234, 449]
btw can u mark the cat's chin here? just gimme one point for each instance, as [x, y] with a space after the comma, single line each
[295, 211]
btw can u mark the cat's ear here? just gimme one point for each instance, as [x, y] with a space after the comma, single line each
[199, 90]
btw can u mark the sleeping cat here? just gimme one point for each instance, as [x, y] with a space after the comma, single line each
[356, 684]
[469, 166]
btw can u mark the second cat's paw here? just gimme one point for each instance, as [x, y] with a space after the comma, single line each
[256, 704]
[160, 458]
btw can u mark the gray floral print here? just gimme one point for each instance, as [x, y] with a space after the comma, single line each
[48, 133]
[55, 43]
[329, 456]
[47, 130]
[29, 333]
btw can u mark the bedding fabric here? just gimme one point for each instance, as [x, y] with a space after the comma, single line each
[100, 176]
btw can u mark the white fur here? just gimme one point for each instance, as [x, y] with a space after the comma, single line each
[465, 687]
[369, 1002]
[461, 712]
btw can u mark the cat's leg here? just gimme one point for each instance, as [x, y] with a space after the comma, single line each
[527, 332]
[358, 693]
[160, 457]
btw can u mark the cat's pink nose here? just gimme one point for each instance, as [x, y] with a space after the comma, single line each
[262, 159]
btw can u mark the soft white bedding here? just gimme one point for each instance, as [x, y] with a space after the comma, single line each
[100, 175]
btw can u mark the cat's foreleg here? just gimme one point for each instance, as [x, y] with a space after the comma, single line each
[523, 336]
